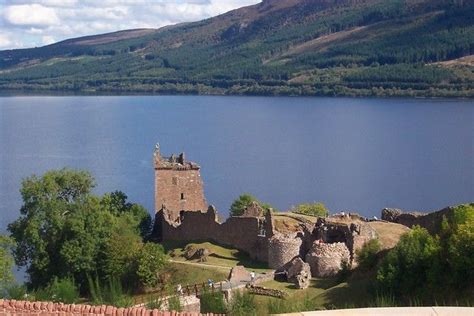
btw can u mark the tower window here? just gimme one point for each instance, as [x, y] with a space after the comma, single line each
[182, 196]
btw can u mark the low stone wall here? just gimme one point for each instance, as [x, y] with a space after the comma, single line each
[260, 290]
[26, 308]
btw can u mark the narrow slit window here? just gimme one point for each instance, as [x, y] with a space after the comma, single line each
[182, 196]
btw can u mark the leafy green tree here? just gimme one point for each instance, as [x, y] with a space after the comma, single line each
[64, 230]
[411, 266]
[121, 251]
[6, 265]
[311, 209]
[239, 205]
[367, 255]
[47, 203]
[151, 261]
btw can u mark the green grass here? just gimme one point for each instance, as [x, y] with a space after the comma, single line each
[220, 255]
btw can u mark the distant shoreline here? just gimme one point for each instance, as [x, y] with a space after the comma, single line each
[68, 93]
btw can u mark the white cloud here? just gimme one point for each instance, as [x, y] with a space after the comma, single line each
[30, 14]
[36, 22]
[5, 41]
[46, 40]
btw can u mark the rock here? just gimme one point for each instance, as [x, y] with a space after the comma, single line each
[325, 259]
[191, 253]
[391, 214]
[299, 272]
[238, 273]
[253, 210]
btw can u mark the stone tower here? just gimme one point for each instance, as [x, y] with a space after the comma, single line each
[178, 185]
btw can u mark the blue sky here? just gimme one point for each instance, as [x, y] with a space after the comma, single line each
[29, 23]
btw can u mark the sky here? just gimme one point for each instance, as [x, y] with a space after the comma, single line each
[30, 23]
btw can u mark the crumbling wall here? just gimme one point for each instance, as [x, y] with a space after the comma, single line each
[326, 259]
[430, 221]
[248, 234]
[282, 249]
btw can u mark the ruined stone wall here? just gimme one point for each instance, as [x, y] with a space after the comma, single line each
[325, 259]
[179, 190]
[243, 233]
[430, 221]
[282, 249]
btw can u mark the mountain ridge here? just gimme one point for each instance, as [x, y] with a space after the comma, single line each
[291, 47]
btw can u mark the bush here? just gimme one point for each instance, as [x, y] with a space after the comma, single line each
[174, 304]
[311, 209]
[242, 304]
[409, 268]
[282, 306]
[59, 290]
[111, 294]
[212, 302]
[16, 292]
[345, 271]
[367, 255]
[151, 261]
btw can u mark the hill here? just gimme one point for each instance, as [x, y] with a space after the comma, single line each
[284, 47]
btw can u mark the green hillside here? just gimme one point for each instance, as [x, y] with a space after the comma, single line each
[284, 47]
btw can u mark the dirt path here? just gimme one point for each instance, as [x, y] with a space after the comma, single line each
[201, 264]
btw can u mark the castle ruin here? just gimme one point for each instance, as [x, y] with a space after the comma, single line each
[178, 185]
[182, 214]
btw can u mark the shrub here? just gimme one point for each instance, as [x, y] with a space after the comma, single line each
[174, 304]
[151, 261]
[242, 304]
[281, 306]
[367, 255]
[212, 302]
[409, 267]
[345, 271]
[16, 292]
[311, 209]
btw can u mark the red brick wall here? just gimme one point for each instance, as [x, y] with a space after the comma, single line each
[26, 308]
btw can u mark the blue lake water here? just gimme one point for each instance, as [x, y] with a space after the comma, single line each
[352, 154]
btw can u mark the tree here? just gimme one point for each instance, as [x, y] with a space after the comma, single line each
[367, 255]
[66, 231]
[6, 264]
[151, 261]
[409, 268]
[47, 203]
[311, 209]
[239, 205]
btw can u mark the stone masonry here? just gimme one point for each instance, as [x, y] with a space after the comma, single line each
[178, 185]
[325, 259]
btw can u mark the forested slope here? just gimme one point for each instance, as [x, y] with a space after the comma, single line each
[285, 47]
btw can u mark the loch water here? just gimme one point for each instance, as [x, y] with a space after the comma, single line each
[353, 154]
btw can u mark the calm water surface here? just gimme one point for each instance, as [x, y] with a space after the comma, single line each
[351, 154]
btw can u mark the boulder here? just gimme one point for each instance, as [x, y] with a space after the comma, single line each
[191, 253]
[299, 272]
[238, 273]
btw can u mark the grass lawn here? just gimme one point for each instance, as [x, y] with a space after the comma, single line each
[220, 256]
[389, 233]
[321, 294]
